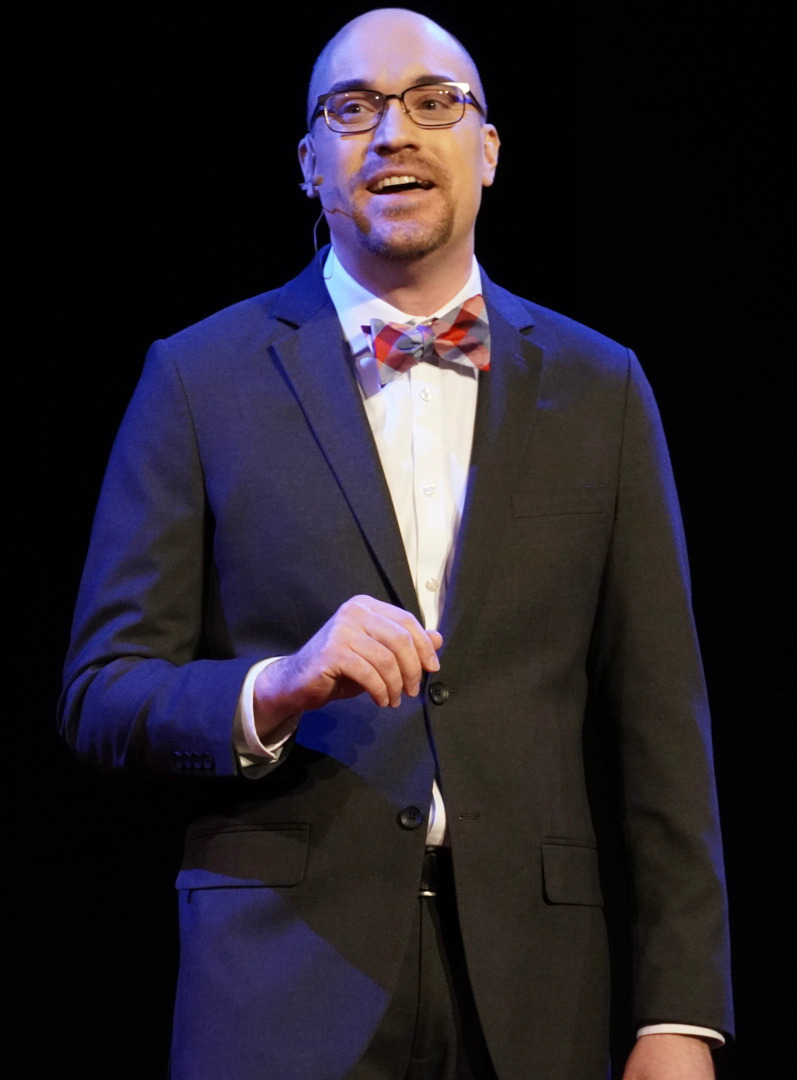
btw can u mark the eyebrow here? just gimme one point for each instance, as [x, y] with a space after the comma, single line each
[365, 84]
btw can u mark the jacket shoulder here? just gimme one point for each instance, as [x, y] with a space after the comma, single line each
[245, 329]
[563, 339]
[230, 331]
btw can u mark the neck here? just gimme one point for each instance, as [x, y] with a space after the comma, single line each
[417, 287]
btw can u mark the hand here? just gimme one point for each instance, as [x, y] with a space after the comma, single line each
[367, 646]
[669, 1057]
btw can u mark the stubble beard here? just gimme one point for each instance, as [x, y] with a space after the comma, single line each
[403, 242]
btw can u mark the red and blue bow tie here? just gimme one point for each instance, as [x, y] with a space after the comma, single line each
[462, 335]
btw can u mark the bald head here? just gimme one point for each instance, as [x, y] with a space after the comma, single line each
[401, 30]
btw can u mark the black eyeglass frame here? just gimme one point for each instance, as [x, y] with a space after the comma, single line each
[463, 87]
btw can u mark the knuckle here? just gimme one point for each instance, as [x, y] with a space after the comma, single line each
[351, 604]
[384, 661]
[415, 631]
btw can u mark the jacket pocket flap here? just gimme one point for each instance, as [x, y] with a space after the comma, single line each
[570, 874]
[245, 856]
[577, 500]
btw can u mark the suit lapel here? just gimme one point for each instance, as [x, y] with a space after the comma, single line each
[314, 359]
[504, 420]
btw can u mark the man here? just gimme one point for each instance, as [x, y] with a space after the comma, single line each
[293, 506]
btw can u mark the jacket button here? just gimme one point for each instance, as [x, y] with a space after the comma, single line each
[410, 817]
[438, 692]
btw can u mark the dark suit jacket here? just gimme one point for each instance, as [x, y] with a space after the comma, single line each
[244, 502]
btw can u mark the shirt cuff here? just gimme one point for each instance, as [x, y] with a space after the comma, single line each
[256, 758]
[713, 1038]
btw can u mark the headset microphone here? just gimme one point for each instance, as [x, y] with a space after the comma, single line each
[308, 186]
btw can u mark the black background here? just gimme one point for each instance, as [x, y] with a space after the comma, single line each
[640, 190]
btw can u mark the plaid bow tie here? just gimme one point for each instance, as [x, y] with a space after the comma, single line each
[462, 335]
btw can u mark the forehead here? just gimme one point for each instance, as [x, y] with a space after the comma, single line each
[391, 53]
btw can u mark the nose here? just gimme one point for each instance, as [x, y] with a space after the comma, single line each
[395, 127]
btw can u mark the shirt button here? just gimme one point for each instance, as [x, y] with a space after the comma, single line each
[431, 584]
[429, 490]
[410, 817]
[426, 394]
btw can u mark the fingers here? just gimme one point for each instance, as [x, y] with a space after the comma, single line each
[411, 650]
[368, 646]
[369, 666]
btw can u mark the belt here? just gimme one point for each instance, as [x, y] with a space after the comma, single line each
[437, 872]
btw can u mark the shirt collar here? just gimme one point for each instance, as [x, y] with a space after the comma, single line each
[356, 306]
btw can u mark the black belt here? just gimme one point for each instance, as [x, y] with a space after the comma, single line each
[437, 872]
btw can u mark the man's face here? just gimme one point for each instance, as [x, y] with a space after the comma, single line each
[389, 51]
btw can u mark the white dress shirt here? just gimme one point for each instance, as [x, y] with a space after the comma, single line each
[422, 423]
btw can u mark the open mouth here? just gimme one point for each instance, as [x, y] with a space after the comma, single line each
[390, 185]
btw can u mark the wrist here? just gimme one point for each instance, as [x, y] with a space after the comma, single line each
[272, 701]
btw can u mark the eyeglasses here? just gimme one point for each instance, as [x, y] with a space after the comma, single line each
[435, 105]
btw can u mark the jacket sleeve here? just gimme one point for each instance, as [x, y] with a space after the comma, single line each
[139, 688]
[648, 665]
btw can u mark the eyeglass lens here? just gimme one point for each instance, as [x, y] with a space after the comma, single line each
[428, 106]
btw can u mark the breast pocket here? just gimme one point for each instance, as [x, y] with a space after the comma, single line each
[245, 856]
[567, 501]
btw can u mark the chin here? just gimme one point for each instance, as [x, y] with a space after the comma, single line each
[404, 243]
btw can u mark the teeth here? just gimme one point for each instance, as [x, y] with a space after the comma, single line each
[394, 181]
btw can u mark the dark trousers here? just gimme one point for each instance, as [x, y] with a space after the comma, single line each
[431, 1030]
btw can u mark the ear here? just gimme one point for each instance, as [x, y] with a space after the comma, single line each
[490, 146]
[307, 164]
